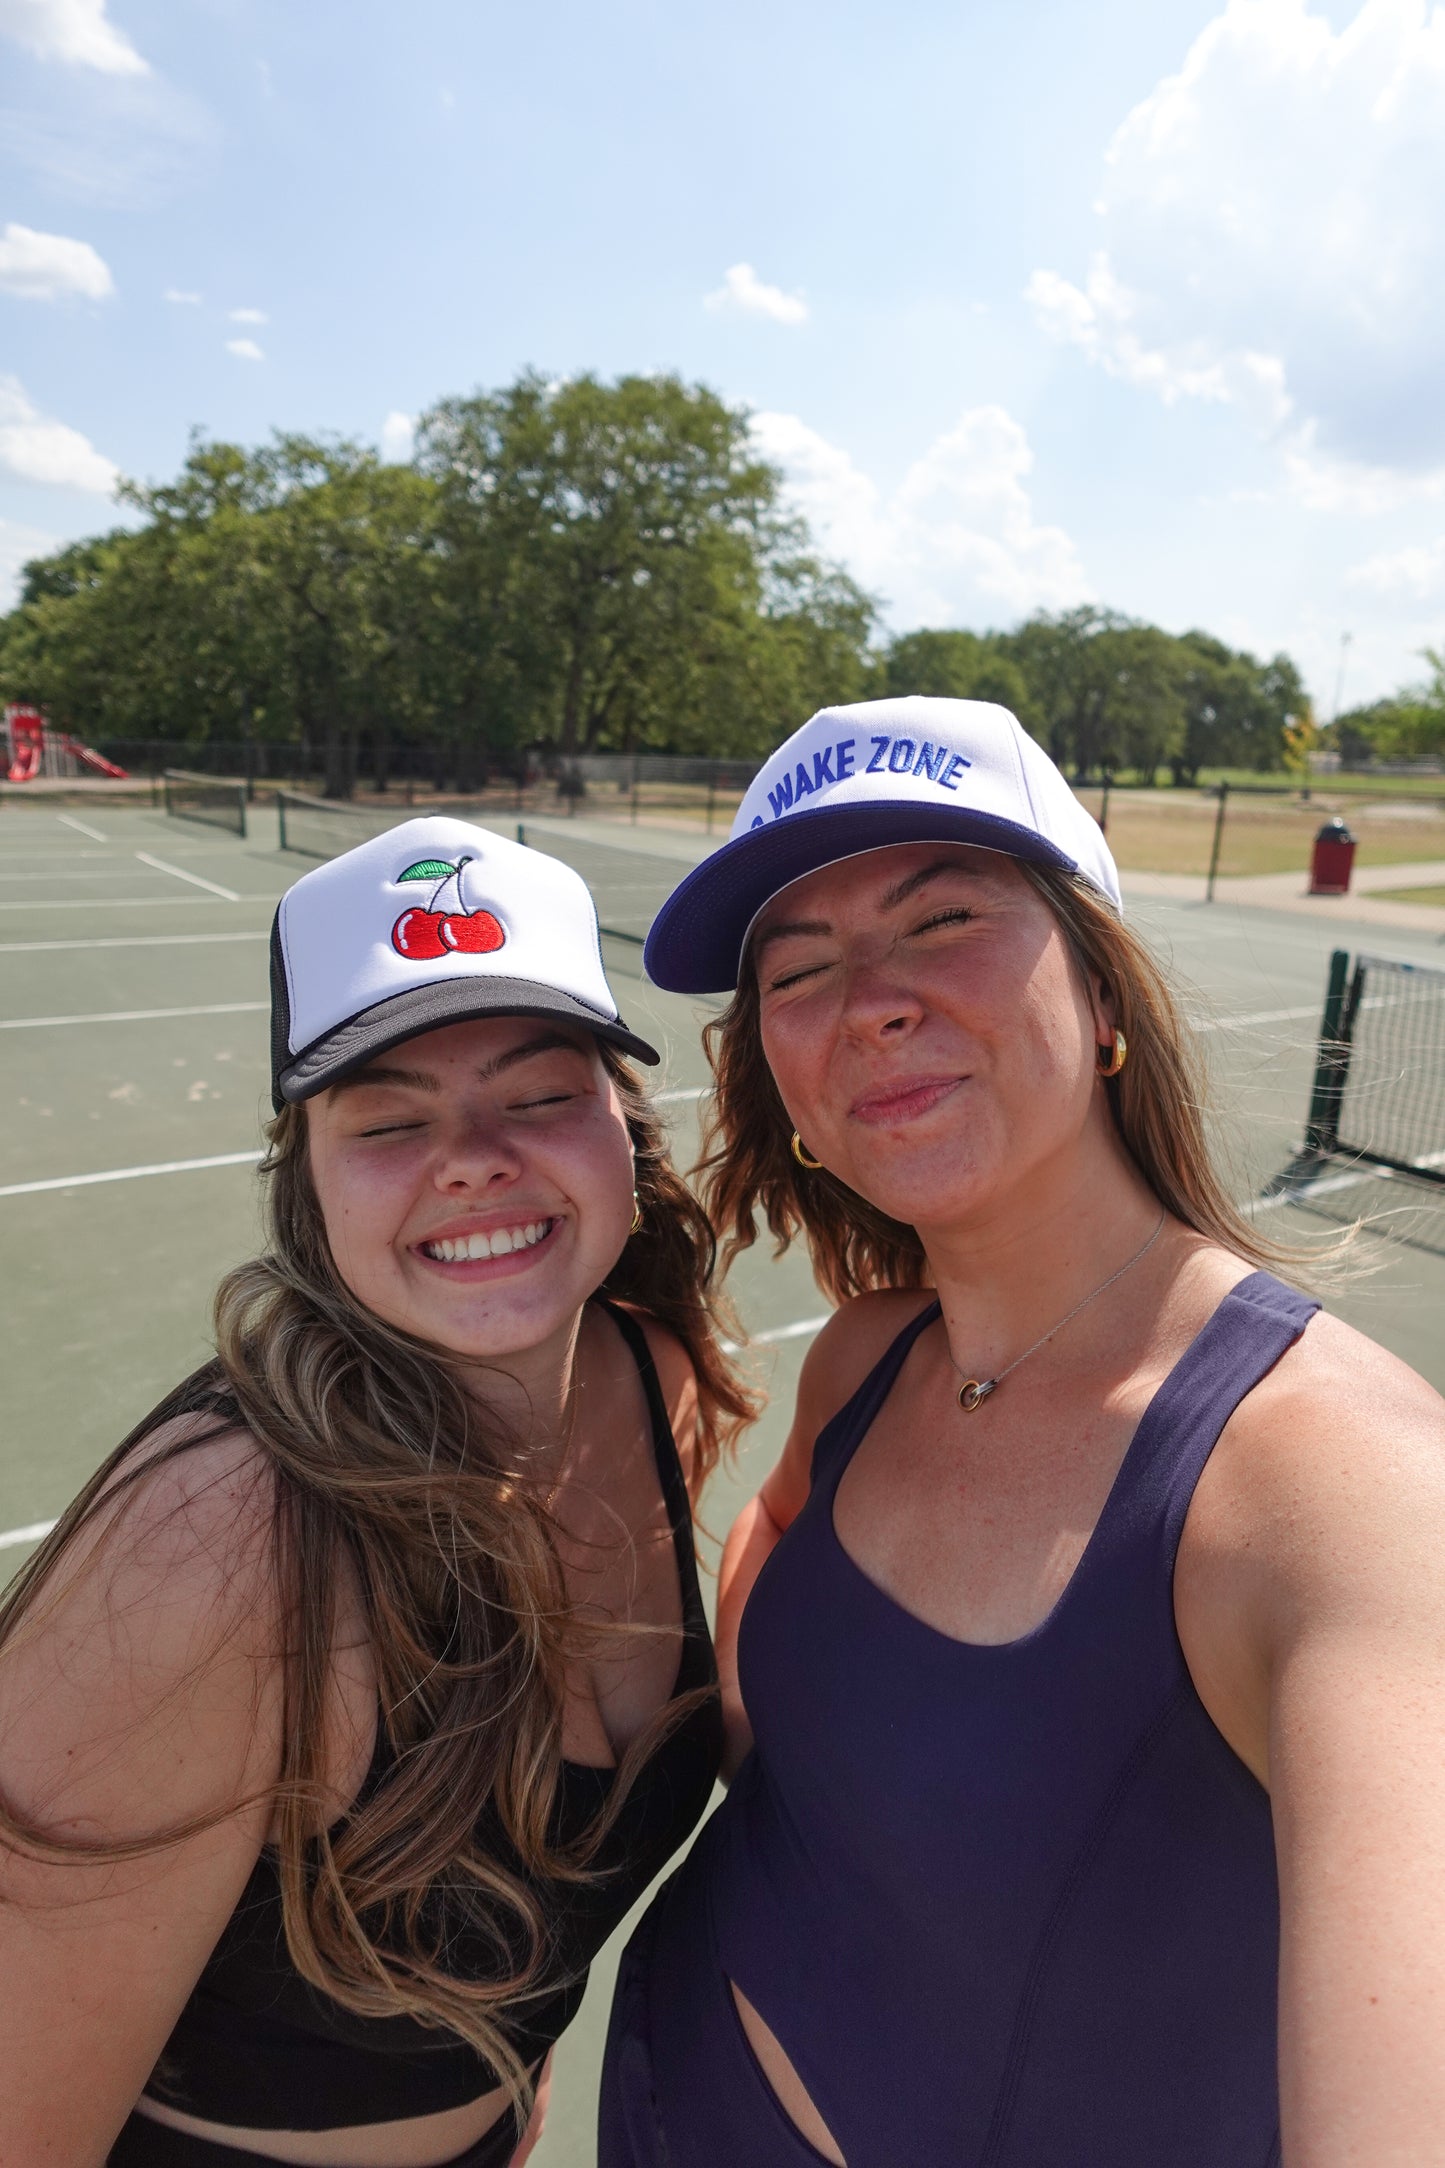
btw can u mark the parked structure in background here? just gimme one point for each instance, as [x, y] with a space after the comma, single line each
[33, 749]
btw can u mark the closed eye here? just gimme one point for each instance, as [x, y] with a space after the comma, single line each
[794, 978]
[390, 1129]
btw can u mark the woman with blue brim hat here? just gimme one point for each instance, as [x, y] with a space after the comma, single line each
[366, 1686]
[1084, 1653]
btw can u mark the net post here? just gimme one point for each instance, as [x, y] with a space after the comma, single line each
[521, 832]
[1104, 804]
[1218, 839]
[281, 820]
[711, 800]
[1332, 1063]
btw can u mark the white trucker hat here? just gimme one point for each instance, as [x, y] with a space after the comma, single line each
[430, 924]
[854, 779]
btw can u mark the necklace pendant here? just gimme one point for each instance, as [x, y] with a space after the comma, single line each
[974, 1391]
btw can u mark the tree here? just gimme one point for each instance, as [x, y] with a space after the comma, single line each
[1237, 710]
[956, 666]
[609, 548]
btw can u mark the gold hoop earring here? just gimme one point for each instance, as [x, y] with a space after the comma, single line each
[801, 1153]
[636, 1227]
[1112, 1058]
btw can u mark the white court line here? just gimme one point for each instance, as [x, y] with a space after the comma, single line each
[1305, 1190]
[130, 1174]
[130, 940]
[162, 865]
[693, 1091]
[132, 1016]
[133, 903]
[32, 1534]
[803, 1329]
[68, 820]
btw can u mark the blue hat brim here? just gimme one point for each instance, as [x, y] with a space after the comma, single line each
[696, 942]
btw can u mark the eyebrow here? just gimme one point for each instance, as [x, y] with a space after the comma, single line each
[888, 901]
[892, 897]
[422, 1080]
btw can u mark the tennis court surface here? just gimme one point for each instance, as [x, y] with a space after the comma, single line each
[134, 1081]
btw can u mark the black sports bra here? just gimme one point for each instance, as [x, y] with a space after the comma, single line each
[258, 2048]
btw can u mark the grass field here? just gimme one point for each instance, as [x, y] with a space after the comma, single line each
[1435, 897]
[133, 1076]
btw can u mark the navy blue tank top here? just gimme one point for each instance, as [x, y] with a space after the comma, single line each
[1011, 1906]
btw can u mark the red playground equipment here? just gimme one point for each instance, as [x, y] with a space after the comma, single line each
[34, 749]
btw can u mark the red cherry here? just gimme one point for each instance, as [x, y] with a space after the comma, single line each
[475, 932]
[418, 935]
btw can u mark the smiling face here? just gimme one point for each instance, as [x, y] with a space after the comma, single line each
[476, 1183]
[930, 1036]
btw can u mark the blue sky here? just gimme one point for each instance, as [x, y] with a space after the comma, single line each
[1138, 303]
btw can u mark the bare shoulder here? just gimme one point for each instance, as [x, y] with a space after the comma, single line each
[150, 1641]
[854, 1340]
[1328, 1483]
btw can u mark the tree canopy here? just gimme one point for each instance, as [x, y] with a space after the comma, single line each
[568, 567]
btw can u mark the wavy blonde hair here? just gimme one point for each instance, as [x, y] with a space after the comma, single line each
[1158, 1103]
[381, 1459]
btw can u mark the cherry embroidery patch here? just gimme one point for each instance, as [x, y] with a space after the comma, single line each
[446, 925]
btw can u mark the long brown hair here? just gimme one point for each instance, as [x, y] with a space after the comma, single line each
[381, 1459]
[1157, 1102]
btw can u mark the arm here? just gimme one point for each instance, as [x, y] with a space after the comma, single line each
[1336, 1567]
[835, 1366]
[140, 1692]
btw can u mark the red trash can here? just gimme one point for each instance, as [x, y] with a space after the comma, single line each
[1332, 860]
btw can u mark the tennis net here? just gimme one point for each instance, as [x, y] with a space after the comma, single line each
[628, 885]
[1379, 1085]
[218, 800]
[325, 827]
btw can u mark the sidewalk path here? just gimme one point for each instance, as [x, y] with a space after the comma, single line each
[1363, 906]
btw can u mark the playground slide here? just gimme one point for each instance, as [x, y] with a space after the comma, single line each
[26, 765]
[89, 758]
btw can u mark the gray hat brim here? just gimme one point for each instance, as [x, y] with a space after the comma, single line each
[421, 1009]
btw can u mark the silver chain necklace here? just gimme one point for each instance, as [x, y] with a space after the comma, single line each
[974, 1391]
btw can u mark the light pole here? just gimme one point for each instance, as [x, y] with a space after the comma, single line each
[1345, 639]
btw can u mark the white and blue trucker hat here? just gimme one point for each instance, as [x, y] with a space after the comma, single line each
[854, 779]
[432, 923]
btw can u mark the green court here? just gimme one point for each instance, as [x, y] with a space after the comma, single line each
[134, 1082]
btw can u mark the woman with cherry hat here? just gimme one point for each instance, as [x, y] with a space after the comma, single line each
[367, 1684]
[1084, 1654]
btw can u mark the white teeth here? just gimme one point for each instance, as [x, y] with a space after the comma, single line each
[500, 1243]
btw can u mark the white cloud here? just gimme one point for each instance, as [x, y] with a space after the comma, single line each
[245, 350]
[397, 433]
[1323, 481]
[18, 545]
[955, 541]
[1417, 571]
[46, 266]
[248, 316]
[743, 293]
[34, 448]
[1273, 241]
[78, 31]
[1099, 318]
[176, 293]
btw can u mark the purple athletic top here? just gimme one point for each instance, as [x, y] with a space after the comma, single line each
[1010, 1907]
